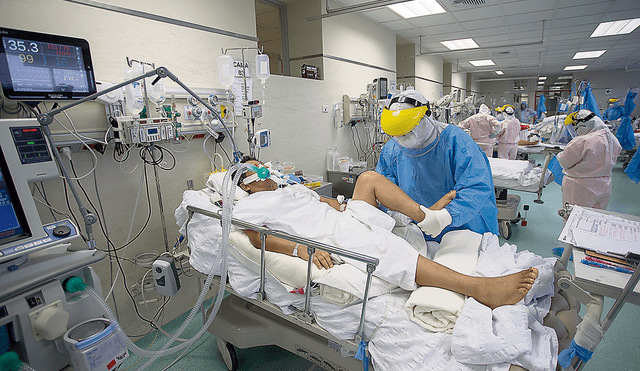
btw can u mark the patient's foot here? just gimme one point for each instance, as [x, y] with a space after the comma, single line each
[498, 291]
[444, 201]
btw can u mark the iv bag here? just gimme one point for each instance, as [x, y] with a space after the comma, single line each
[134, 98]
[225, 70]
[156, 93]
[262, 67]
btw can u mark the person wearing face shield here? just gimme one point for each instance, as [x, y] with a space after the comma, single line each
[509, 135]
[587, 161]
[427, 159]
[614, 111]
[482, 127]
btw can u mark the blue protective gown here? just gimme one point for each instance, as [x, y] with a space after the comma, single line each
[613, 113]
[454, 161]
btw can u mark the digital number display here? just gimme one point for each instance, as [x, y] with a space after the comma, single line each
[44, 66]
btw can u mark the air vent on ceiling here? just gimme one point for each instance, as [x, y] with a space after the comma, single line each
[468, 2]
[502, 53]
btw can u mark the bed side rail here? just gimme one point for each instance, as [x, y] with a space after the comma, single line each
[306, 315]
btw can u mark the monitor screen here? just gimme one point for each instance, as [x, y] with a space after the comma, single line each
[36, 66]
[13, 222]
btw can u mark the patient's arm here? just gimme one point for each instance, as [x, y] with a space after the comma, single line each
[321, 259]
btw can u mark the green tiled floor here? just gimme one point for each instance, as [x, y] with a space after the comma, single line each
[618, 350]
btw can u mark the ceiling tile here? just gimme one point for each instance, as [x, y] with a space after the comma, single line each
[454, 29]
[528, 6]
[382, 15]
[478, 12]
[408, 34]
[482, 24]
[433, 20]
[493, 31]
[625, 14]
[398, 25]
[531, 17]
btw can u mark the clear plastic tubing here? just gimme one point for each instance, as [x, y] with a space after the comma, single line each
[229, 187]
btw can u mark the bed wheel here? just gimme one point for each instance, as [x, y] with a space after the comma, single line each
[505, 229]
[516, 221]
[228, 354]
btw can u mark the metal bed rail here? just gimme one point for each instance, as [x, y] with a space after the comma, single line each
[306, 315]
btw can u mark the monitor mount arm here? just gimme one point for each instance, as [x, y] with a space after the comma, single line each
[45, 119]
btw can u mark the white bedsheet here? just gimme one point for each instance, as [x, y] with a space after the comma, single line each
[519, 170]
[397, 343]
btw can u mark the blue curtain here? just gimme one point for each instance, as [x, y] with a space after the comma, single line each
[625, 131]
[541, 107]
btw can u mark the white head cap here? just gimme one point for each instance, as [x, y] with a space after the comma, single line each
[484, 109]
[410, 93]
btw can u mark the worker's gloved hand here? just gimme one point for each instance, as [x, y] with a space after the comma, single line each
[434, 221]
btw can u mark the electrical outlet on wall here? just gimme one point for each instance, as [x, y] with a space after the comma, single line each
[325, 108]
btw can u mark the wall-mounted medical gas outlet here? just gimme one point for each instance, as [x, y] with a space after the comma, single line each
[192, 113]
[325, 108]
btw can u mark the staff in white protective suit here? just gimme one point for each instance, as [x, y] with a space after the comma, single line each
[509, 135]
[587, 161]
[482, 127]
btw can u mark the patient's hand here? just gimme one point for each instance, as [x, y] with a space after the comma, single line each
[321, 259]
[444, 201]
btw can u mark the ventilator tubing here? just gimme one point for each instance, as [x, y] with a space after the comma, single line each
[434, 221]
[227, 202]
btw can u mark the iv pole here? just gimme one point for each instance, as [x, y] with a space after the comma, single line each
[45, 119]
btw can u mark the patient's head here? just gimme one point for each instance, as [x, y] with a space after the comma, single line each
[258, 185]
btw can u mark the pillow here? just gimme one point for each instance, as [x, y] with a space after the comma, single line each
[215, 182]
[287, 269]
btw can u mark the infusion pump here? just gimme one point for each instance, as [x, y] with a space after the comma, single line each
[129, 130]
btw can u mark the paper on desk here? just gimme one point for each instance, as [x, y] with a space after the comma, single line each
[601, 232]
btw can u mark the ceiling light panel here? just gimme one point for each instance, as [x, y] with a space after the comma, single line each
[499, 72]
[542, 78]
[592, 54]
[460, 44]
[484, 62]
[565, 77]
[417, 8]
[574, 68]
[540, 82]
[616, 27]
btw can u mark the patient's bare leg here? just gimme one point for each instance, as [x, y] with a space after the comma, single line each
[373, 187]
[490, 291]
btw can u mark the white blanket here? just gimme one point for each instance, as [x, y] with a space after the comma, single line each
[361, 228]
[521, 171]
[437, 309]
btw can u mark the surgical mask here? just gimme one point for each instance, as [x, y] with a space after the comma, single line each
[418, 137]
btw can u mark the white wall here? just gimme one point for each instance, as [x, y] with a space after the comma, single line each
[429, 75]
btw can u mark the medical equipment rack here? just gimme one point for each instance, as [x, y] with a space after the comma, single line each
[589, 289]
[247, 322]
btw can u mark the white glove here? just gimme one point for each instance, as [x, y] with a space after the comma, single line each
[434, 221]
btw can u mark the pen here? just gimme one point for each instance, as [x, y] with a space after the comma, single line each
[606, 266]
[594, 259]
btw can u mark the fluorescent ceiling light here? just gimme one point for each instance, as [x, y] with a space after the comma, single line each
[593, 54]
[499, 72]
[616, 27]
[417, 8]
[460, 44]
[565, 77]
[559, 83]
[484, 62]
[540, 82]
[556, 87]
[542, 78]
[573, 68]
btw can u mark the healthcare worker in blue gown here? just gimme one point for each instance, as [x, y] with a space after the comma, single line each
[427, 159]
[614, 111]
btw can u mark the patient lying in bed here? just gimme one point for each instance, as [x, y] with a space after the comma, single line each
[363, 228]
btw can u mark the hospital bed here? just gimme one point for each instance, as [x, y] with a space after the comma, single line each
[516, 175]
[326, 326]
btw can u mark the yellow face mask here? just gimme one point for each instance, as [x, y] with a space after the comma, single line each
[396, 123]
